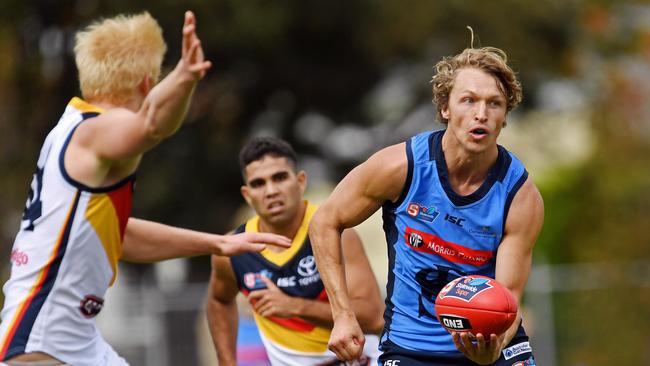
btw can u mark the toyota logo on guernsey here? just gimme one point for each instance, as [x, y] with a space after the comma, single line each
[307, 266]
[421, 212]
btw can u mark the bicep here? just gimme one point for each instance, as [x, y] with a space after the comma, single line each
[116, 135]
[523, 225]
[362, 192]
[223, 283]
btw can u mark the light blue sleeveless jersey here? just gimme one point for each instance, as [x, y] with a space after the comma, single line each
[435, 235]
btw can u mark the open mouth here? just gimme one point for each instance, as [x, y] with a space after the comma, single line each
[275, 206]
[479, 132]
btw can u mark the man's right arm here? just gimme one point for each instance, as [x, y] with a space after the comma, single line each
[118, 137]
[362, 192]
[221, 310]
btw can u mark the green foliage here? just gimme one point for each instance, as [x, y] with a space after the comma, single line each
[326, 56]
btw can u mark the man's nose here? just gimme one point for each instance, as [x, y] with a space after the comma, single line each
[271, 189]
[481, 112]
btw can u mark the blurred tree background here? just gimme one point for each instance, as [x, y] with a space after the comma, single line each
[341, 79]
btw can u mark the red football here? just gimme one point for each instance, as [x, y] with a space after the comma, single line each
[476, 304]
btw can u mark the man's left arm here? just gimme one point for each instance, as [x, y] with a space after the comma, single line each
[148, 241]
[513, 264]
[515, 254]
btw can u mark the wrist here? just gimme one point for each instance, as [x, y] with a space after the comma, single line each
[216, 244]
[343, 313]
[184, 75]
[298, 307]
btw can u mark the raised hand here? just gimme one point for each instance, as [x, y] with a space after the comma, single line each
[346, 339]
[192, 59]
[272, 301]
[481, 351]
[235, 244]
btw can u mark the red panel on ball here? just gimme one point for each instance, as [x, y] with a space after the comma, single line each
[476, 304]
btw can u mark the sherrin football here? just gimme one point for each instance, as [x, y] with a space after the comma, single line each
[476, 304]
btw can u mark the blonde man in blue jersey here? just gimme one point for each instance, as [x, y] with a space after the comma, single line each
[284, 287]
[454, 202]
[76, 224]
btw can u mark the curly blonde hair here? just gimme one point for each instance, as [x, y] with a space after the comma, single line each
[489, 59]
[114, 55]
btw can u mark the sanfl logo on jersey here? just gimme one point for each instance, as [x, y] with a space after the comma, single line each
[421, 212]
[253, 280]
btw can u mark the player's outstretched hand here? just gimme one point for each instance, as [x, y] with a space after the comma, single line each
[481, 351]
[346, 339]
[230, 245]
[192, 60]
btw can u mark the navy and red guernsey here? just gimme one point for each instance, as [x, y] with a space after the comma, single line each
[435, 235]
[294, 271]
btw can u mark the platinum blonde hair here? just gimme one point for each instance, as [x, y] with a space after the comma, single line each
[114, 55]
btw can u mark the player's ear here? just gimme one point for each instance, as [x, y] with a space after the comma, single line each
[302, 180]
[145, 85]
[245, 193]
[444, 112]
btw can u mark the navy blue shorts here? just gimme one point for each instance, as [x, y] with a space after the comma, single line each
[517, 353]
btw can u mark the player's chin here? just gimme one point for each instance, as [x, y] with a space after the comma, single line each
[278, 218]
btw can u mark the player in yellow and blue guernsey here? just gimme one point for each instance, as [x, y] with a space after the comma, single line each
[290, 304]
[76, 224]
[454, 202]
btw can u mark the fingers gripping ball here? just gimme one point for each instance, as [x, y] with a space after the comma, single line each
[476, 304]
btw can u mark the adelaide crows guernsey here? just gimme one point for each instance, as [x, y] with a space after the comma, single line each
[292, 341]
[64, 257]
[435, 235]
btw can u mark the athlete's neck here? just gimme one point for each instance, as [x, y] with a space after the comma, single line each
[132, 104]
[289, 229]
[467, 170]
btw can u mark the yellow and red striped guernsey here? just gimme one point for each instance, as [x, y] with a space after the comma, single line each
[108, 213]
[294, 272]
[69, 243]
[290, 341]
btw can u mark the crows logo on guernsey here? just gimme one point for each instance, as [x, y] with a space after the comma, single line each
[91, 305]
